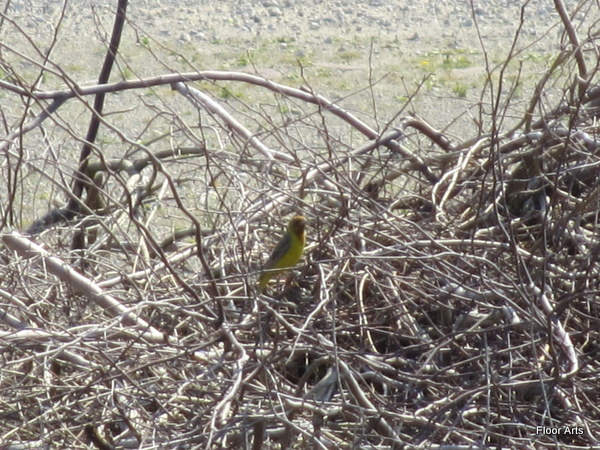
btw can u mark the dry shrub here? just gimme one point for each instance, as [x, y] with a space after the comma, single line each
[448, 293]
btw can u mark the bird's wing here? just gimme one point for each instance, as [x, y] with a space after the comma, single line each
[281, 249]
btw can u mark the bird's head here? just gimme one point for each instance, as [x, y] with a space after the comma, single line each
[297, 225]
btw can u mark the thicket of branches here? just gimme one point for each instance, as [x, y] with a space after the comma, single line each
[448, 294]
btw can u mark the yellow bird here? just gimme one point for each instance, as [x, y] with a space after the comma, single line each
[286, 254]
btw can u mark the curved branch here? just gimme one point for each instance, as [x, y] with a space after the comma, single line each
[215, 75]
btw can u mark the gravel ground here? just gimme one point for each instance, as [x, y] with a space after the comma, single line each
[335, 41]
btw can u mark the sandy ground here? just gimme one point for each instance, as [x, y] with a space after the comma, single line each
[341, 46]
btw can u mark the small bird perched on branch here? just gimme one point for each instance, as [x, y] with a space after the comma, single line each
[286, 254]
